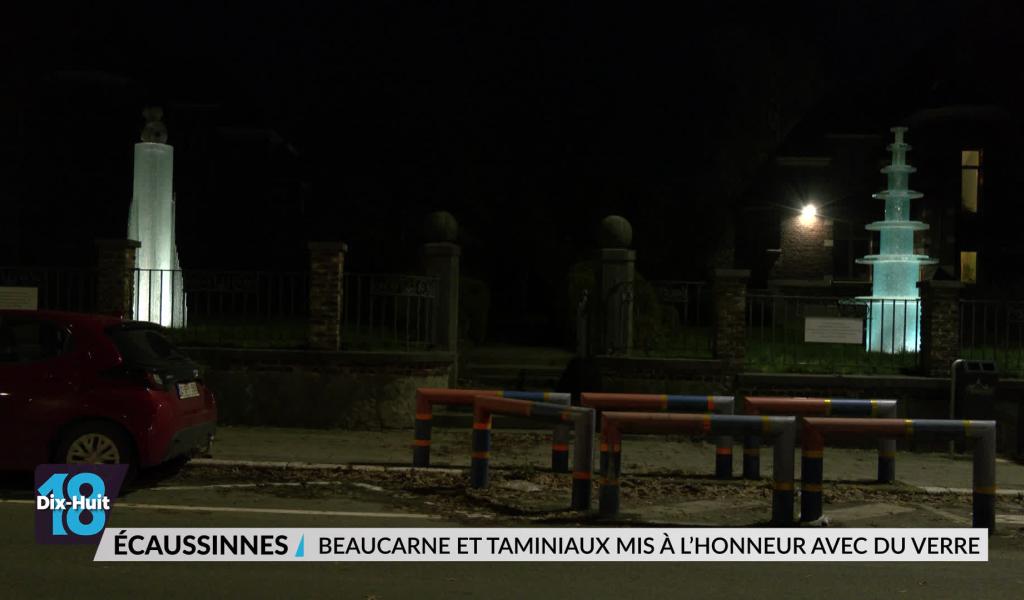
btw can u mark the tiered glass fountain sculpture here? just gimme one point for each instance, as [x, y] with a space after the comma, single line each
[894, 311]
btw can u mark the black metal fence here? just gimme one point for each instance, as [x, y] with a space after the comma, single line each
[71, 289]
[832, 335]
[271, 309]
[993, 330]
[230, 308]
[672, 318]
[389, 311]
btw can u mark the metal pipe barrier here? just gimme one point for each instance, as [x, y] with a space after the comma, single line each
[828, 407]
[668, 403]
[782, 430]
[582, 419]
[816, 430]
[426, 398]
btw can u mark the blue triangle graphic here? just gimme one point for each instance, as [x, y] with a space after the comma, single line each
[301, 550]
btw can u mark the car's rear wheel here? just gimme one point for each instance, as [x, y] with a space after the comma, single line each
[95, 442]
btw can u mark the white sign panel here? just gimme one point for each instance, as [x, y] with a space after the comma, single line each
[834, 330]
[19, 298]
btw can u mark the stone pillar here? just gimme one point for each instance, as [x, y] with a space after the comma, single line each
[326, 271]
[616, 277]
[441, 260]
[729, 293]
[115, 277]
[940, 326]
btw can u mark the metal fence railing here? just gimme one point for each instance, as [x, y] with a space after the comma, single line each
[260, 308]
[386, 311]
[672, 319]
[234, 308]
[993, 330]
[847, 335]
[70, 289]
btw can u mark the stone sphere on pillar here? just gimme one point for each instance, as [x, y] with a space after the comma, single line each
[616, 232]
[441, 226]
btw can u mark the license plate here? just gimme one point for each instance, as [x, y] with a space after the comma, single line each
[188, 390]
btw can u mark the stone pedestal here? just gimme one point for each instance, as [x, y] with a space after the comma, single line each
[729, 290]
[940, 326]
[617, 274]
[115, 277]
[441, 260]
[326, 272]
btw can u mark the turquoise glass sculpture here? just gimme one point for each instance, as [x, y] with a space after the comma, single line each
[893, 309]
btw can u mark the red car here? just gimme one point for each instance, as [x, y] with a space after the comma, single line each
[78, 388]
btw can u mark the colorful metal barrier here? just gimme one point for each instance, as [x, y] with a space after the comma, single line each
[426, 398]
[782, 430]
[816, 430]
[582, 420]
[668, 403]
[825, 407]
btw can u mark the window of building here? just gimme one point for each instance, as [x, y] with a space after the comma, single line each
[970, 179]
[969, 267]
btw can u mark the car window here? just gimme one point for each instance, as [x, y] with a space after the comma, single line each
[31, 340]
[144, 346]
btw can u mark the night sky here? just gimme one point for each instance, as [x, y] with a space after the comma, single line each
[351, 121]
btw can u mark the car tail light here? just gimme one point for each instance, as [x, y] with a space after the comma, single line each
[155, 381]
[148, 379]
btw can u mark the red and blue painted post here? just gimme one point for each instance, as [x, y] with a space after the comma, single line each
[426, 398]
[816, 431]
[668, 403]
[824, 407]
[781, 430]
[582, 420]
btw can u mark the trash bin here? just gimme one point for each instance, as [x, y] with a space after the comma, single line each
[974, 389]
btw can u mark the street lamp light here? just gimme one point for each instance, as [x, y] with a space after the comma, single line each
[807, 214]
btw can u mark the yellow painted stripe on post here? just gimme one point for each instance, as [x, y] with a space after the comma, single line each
[664, 401]
[990, 489]
[481, 455]
[813, 454]
[766, 424]
[967, 428]
[874, 408]
[810, 487]
[780, 486]
[828, 407]
[908, 424]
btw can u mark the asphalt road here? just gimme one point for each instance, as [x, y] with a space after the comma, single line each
[33, 570]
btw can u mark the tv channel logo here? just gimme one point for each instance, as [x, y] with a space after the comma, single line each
[74, 501]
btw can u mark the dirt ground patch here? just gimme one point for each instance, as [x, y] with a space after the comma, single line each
[528, 495]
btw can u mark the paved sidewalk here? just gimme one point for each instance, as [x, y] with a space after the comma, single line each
[641, 454]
